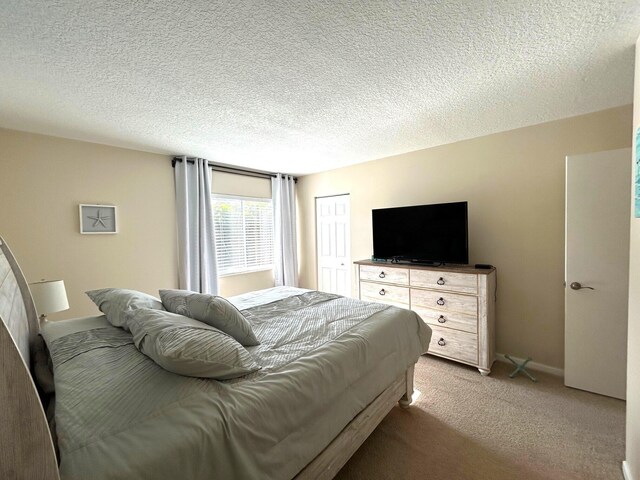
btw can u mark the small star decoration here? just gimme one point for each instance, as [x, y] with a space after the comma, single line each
[98, 219]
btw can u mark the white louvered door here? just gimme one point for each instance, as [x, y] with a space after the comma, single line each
[334, 244]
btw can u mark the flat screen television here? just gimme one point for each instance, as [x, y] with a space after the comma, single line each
[422, 233]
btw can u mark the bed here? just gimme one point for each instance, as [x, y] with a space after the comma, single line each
[332, 368]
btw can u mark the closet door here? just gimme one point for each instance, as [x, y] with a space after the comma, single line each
[333, 231]
[597, 220]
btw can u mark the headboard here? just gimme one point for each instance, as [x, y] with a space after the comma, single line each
[26, 447]
[16, 305]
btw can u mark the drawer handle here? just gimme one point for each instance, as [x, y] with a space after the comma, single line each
[382, 292]
[382, 275]
[441, 342]
[440, 301]
[441, 319]
[440, 281]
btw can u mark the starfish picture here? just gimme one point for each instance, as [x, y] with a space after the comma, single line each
[98, 220]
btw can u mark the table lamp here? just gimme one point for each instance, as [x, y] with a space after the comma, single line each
[49, 296]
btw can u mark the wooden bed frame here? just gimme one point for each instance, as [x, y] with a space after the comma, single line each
[26, 446]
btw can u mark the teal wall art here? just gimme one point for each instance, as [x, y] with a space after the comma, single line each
[637, 179]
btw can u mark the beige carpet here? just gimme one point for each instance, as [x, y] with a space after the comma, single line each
[465, 426]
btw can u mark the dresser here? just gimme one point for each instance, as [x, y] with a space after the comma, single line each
[458, 303]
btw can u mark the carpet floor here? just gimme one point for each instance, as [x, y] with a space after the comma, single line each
[465, 426]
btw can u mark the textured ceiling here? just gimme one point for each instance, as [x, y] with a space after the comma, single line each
[305, 86]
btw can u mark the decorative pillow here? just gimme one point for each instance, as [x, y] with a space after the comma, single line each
[115, 302]
[187, 347]
[212, 310]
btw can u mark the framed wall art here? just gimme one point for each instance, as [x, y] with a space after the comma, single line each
[636, 180]
[97, 219]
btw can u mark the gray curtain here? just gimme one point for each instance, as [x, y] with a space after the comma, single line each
[285, 258]
[197, 269]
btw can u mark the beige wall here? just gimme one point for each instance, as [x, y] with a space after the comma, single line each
[633, 346]
[230, 285]
[514, 183]
[42, 181]
[231, 184]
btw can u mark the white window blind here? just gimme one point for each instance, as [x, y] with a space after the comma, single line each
[243, 234]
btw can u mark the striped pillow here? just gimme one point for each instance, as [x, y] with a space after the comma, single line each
[215, 311]
[187, 347]
[115, 302]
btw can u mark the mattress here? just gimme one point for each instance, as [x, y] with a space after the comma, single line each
[324, 358]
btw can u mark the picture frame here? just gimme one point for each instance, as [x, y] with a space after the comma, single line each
[98, 219]
[636, 181]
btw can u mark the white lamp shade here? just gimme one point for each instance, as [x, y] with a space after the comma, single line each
[49, 296]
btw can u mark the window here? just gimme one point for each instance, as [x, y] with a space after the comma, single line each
[243, 234]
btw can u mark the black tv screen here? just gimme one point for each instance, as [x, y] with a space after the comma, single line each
[423, 233]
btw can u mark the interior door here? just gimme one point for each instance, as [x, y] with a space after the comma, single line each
[597, 220]
[334, 244]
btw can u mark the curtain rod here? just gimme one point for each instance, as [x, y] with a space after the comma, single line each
[238, 171]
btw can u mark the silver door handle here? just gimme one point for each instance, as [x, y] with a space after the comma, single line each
[578, 286]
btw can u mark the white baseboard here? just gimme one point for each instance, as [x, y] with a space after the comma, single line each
[540, 367]
[626, 472]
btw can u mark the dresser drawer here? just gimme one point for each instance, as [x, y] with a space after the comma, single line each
[454, 344]
[451, 281]
[384, 274]
[449, 302]
[440, 318]
[390, 294]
